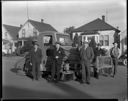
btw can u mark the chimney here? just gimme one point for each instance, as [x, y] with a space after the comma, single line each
[21, 25]
[103, 18]
[42, 20]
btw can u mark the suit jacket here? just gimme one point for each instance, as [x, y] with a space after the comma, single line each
[36, 56]
[87, 55]
[114, 52]
[60, 53]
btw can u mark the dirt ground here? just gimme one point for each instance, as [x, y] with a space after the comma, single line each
[16, 86]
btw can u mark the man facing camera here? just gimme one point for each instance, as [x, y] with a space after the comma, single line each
[58, 59]
[36, 57]
[87, 55]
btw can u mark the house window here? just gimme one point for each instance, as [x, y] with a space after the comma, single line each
[6, 35]
[96, 38]
[102, 40]
[34, 32]
[23, 32]
[106, 40]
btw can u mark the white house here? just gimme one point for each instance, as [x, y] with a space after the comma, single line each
[9, 37]
[32, 28]
[100, 30]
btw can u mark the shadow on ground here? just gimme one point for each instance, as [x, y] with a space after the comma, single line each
[73, 92]
[14, 70]
[10, 92]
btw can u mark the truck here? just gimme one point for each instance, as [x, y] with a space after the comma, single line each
[49, 38]
[46, 40]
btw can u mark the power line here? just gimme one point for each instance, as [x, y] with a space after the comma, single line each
[106, 15]
[27, 14]
[27, 11]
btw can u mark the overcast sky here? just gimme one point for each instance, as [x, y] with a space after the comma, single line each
[61, 14]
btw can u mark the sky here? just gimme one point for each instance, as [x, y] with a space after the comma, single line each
[65, 13]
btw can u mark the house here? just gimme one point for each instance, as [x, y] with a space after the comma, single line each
[123, 41]
[99, 29]
[32, 28]
[9, 37]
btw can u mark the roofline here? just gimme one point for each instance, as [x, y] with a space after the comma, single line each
[22, 26]
[10, 25]
[97, 30]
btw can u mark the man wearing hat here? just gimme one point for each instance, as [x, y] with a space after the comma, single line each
[87, 55]
[36, 57]
[115, 54]
[58, 58]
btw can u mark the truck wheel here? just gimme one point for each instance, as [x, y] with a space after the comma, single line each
[125, 62]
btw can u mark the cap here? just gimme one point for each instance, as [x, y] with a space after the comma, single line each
[58, 43]
[35, 43]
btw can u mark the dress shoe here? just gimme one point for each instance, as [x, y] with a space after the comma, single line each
[88, 83]
[112, 76]
[97, 77]
[82, 82]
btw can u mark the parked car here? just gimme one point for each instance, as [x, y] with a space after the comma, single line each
[123, 58]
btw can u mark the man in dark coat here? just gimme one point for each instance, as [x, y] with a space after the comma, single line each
[58, 58]
[36, 59]
[87, 56]
[97, 52]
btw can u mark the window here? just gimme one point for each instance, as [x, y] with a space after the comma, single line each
[64, 39]
[34, 32]
[96, 38]
[23, 32]
[47, 40]
[101, 40]
[106, 40]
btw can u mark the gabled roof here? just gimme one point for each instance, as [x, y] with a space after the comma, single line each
[41, 26]
[95, 25]
[12, 30]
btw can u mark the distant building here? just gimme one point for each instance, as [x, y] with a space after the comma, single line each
[9, 37]
[100, 30]
[123, 41]
[32, 28]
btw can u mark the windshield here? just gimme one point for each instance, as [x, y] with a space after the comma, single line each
[64, 39]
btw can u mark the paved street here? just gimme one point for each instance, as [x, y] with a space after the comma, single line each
[20, 86]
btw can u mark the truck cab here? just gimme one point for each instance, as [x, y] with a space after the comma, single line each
[48, 38]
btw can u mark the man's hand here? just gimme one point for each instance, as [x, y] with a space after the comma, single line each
[57, 57]
[30, 63]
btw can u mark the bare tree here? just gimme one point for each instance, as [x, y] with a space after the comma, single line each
[69, 30]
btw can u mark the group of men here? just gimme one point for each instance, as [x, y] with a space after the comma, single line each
[87, 56]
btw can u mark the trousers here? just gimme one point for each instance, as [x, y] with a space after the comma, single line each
[36, 70]
[115, 63]
[56, 70]
[86, 71]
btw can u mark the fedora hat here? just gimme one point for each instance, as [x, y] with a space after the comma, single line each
[98, 44]
[85, 42]
[114, 42]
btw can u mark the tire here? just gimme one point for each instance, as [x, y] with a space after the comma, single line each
[125, 62]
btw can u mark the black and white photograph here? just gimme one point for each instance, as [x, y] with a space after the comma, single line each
[64, 49]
